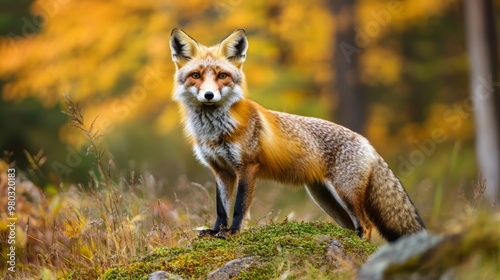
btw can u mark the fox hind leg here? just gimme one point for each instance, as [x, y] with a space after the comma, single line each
[342, 208]
[325, 196]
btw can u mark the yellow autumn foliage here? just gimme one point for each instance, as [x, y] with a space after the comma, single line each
[114, 58]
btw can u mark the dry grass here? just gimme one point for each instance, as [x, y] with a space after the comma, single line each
[93, 228]
[107, 223]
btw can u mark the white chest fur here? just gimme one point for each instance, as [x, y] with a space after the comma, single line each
[225, 155]
[210, 127]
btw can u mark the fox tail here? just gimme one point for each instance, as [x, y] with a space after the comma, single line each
[388, 206]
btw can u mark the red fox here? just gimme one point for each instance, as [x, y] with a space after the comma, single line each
[240, 141]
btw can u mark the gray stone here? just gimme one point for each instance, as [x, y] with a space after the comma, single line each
[407, 249]
[163, 275]
[233, 268]
[336, 254]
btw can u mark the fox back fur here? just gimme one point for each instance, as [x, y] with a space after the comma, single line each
[239, 140]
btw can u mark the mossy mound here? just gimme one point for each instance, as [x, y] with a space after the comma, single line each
[296, 249]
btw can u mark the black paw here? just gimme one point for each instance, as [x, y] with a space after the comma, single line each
[226, 233]
[207, 233]
[360, 231]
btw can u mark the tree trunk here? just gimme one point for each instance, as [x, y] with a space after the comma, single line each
[351, 107]
[483, 58]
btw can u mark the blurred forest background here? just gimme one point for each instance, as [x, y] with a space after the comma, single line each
[403, 82]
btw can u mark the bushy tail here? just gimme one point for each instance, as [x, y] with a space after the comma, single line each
[388, 205]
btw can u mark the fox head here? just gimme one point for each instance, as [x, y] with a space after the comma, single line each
[208, 76]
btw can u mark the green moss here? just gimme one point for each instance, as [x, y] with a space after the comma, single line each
[198, 263]
[265, 271]
[301, 240]
[293, 248]
[136, 270]
[84, 273]
[113, 274]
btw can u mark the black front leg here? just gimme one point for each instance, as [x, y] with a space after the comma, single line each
[244, 196]
[241, 205]
[224, 190]
[222, 218]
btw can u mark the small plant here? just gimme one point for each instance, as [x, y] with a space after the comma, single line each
[75, 112]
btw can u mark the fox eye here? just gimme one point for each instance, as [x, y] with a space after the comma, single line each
[222, 76]
[196, 75]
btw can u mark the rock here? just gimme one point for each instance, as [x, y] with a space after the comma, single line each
[233, 268]
[403, 258]
[336, 254]
[163, 275]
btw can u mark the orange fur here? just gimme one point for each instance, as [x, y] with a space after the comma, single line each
[283, 156]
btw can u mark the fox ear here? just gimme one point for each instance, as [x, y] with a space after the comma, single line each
[183, 47]
[234, 47]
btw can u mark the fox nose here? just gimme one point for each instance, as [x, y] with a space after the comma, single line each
[209, 95]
